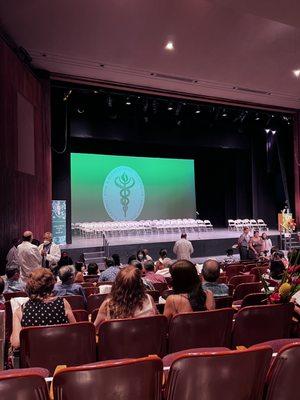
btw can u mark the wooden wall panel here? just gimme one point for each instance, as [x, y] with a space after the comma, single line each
[25, 200]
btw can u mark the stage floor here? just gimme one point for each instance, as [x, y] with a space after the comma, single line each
[80, 242]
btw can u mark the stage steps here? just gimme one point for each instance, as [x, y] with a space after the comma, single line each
[97, 257]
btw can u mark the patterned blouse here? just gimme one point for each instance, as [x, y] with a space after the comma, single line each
[37, 313]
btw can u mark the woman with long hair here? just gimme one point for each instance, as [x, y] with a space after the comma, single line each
[188, 294]
[128, 298]
[41, 308]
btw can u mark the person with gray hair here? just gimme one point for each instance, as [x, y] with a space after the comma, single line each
[13, 282]
[210, 275]
[67, 287]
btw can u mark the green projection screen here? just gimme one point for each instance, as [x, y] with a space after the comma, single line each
[131, 188]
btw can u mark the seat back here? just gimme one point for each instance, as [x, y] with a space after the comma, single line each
[246, 288]
[111, 380]
[160, 286]
[240, 375]
[154, 294]
[200, 329]
[91, 278]
[8, 296]
[254, 299]
[90, 290]
[81, 315]
[223, 302]
[76, 302]
[284, 373]
[233, 270]
[94, 301]
[132, 337]
[258, 271]
[25, 385]
[238, 279]
[49, 346]
[257, 324]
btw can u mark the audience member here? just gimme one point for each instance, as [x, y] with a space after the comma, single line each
[255, 246]
[13, 282]
[162, 260]
[165, 271]
[111, 271]
[150, 275]
[93, 269]
[79, 270]
[116, 259]
[146, 252]
[229, 259]
[64, 260]
[148, 285]
[29, 254]
[188, 292]
[2, 300]
[141, 256]
[49, 251]
[12, 257]
[41, 308]
[266, 244]
[210, 275]
[277, 269]
[131, 258]
[183, 248]
[67, 286]
[128, 298]
[243, 243]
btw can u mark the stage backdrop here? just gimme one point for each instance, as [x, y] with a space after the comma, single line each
[131, 188]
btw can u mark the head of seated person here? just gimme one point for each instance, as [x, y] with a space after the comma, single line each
[116, 259]
[210, 275]
[187, 282]
[67, 274]
[13, 282]
[141, 255]
[92, 269]
[131, 258]
[128, 297]
[109, 262]
[277, 269]
[2, 301]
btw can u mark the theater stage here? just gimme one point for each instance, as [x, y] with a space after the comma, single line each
[206, 244]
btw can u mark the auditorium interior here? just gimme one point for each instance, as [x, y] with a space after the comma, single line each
[150, 199]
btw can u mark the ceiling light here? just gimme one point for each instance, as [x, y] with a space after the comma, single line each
[198, 111]
[169, 46]
[257, 117]
[273, 132]
[80, 110]
[170, 108]
[128, 103]
[224, 113]
[267, 130]
[296, 73]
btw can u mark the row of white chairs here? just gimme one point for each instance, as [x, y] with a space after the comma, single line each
[239, 224]
[121, 228]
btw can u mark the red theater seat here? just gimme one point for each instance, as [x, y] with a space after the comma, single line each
[161, 287]
[81, 315]
[238, 279]
[94, 301]
[278, 344]
[200, 329]
[8, 296]
[49, 346]
[76, 302]
[258, 324]
[132, 337]
[283, 375]
[246, 288]
[254, 299]
[223, 302]
[233, 375]
[137, 379]
[26, 384]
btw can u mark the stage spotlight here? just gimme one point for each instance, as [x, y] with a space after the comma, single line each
[267, 130]
[169, 46]
[273, 132]
[197, 111]
[170, 108]
[128, 102]
[257, 117]
[95, 91]
[296, 73]
[224, 113]
[80, 110]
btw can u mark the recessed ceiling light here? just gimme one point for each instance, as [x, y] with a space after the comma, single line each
[267, 130]
[273, 132]
[296, 73]
[128, 103]
[197, 111]
[169, 46]
[170, 108]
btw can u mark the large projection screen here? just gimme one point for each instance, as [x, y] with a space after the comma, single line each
[117, 188]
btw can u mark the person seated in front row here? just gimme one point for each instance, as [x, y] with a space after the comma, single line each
[2, 300]
[67, 287]
[150, 275]
[128, 298]
[229, 259]
[210, 275]
[13, 282]
[111, 271]
[41, 308]
[188, 294]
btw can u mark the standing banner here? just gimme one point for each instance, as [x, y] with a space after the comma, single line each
[59, 221]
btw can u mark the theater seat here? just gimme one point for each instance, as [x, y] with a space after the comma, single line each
[284, 373]
[136, 379]
[231, 375]
[200, 329]
[94, 301]
[26, 384]
[49, 346]
[243, 289]
[81, 315]
[238, 279]
[256, 324]
[278, 344]
[8, 296]
[223, 301]
[132, 337]
[254, 299]
[76, 302]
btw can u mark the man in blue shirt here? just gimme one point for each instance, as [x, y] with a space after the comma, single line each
[67, 287]
[210, 275]
[13, 282]
[111, 271]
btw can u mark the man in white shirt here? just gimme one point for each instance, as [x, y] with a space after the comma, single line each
[183, 248]
[29, 255]
[50, 252]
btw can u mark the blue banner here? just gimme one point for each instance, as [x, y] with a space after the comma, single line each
[59, 221]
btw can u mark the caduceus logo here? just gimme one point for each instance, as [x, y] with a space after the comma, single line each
[123, 194]
[125, 183]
